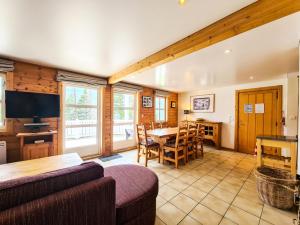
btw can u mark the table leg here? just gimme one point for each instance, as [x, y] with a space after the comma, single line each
[259, 153]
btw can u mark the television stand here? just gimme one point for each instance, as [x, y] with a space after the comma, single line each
[36, 124]
[37, 145]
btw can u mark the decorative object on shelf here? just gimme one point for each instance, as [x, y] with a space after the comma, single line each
[173, 104]
[147, 101]
[203, 103]
[186, 112]
[200, 120]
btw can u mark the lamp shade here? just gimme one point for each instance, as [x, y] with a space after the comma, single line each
[186, 112]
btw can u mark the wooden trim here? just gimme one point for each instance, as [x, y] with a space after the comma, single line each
[279, 109]
[60, 119]
[250, 17]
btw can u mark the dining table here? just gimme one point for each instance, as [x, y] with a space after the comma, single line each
[160, 135]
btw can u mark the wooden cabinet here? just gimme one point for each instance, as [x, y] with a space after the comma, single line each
[213, 131]
[29, 149]
[35, 151]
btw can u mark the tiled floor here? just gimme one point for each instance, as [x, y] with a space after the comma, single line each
[218, 189]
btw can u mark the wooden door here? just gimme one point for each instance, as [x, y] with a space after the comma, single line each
[258, 112]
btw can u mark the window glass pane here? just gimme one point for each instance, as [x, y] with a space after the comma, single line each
[124, 115]
[123, 100]
[123, 132]
[157, 114]
[80, 136]
[86, 96]
[1, 88]
[162, 103]
[70, 95]
[162, 115]
[82, 118]
[1, 115]
[157, 102]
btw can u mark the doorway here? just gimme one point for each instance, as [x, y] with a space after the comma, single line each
[258, 112]
[81, 107]
[124, 119]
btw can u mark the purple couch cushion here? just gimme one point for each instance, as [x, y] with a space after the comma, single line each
[25, 189]
[136, 191]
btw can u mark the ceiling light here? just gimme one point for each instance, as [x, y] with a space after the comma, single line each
[181, 2]
[227, 51]
[251, 77]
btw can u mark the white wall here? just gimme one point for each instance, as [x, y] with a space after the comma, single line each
[225, 106]
[292, 105]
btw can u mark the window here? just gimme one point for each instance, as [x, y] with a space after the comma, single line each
[80, 116]
[123, 116]
[2, 101]
[160, 109]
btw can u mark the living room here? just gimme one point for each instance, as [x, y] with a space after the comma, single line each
[102, 122]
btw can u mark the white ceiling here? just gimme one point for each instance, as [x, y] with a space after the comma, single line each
[265, 53]
[98, 36]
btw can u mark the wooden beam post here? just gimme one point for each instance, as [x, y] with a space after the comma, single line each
[250, 17]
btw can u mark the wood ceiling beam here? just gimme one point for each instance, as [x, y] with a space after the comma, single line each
[250, 17]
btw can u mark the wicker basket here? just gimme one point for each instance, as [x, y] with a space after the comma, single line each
[276, 187]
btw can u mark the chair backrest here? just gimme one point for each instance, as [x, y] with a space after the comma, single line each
[164, 125]
[155, 125]
[183, 123]
[141, 134]
[200, 131]
[181, 136]
[192, 131]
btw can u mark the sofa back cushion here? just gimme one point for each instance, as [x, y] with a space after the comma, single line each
[25, 189]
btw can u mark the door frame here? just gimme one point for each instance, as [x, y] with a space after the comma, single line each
[99, 116]
[127, 146]
[279, 110]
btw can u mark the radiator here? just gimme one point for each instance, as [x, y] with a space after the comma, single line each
[2, 152]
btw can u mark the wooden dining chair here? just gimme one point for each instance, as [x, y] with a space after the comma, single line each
[173, 152]
[146, 146]
[164, 124]
[155, 125]
[191, 146]
[200, 139]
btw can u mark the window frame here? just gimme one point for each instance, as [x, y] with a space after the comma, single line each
[3, 128]
[157, 98]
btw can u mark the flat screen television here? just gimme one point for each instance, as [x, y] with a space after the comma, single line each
[31, 105]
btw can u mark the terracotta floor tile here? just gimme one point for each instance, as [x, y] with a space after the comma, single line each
[205, 216]
[215, 204]
[277, 216]
[189, 221]
[194, 193]
[241, 217]
[169, 214]
[183, 202]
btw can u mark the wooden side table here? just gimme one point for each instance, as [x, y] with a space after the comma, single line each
[30, 149]
[278, 142]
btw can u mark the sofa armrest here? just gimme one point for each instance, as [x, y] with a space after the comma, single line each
[92, 203]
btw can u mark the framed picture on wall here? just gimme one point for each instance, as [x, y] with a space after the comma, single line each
[203, 103]
[173, 104]
[147, 101]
